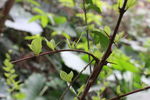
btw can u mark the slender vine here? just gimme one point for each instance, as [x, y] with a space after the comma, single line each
[87, 30]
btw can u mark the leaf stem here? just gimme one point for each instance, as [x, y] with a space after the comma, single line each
[87, 30]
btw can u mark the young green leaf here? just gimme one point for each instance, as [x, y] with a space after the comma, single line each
[119, 36]
[8, 64]
[51, 44]
[99, 37]
[10, 74]
[96, 98]
[120, 3]
[34, 18]
[19, 96]
[107, 30]
[118, 90]
[131, 3]
[32, 37]
[36, 45]
[38, 11]
[94, 7]
[60, 19]
[44, 20]
[66, 77]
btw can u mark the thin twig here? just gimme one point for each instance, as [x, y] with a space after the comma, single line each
[124, 95]
[54, 52]
[87, 30]
[66, 90]
[98, 68]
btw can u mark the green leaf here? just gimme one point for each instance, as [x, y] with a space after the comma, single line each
[36, 45]
[70, 76]
[19, 96]
[8, 56]
[32, 37]
[119, 36]
[107, 30]
[80, 90]
[122, 62]
[51, 44]
[131, 3]
[60, 19]
[118, 90]
[44, 20]
[34, 18]
[7, 69]
[8, 64]
[96, 98]
[66, 77]
[94, 7]
[7, 74]
[38, 10]
[89, 1]
[34, 2]
[120, 3]
[33, 86]
[99, 37]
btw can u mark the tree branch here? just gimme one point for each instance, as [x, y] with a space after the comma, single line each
[54, 52]
[5, 12]
[103, 62]
[124, 95]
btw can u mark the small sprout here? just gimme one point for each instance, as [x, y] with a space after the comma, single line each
[51, 44]
[36, 45]
[66, 77]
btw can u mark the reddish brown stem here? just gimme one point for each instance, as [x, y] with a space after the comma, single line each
[54, 52]
[4, 13]
[124, 95]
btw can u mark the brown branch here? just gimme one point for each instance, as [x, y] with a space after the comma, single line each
[124, 95]
[54, 52]
[4, 14]
[103, 62]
